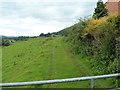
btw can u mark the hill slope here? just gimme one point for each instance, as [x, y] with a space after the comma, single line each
[44, 59]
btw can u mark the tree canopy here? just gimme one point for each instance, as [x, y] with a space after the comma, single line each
[100, 10]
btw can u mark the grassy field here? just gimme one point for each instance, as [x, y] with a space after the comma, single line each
[46, 59]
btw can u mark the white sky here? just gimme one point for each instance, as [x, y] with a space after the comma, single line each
[32, 17]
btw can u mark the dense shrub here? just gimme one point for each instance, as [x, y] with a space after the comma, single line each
[96, 38]
[5, 42]
[114, 66]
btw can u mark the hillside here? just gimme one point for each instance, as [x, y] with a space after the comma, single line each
[44, 59]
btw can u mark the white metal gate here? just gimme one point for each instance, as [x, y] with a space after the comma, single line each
[91, 78]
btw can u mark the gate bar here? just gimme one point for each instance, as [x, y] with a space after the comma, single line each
[57, 80]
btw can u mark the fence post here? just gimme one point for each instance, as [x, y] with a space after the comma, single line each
[91, 84]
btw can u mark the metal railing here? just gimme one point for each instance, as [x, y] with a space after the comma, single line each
[91, 78]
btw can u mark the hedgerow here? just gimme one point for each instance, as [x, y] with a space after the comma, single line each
[96, 38]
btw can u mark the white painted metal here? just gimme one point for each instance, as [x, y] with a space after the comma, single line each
[91, 84]
[59, 81]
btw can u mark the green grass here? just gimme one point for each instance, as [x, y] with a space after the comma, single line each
[46, 59]
[0, 65]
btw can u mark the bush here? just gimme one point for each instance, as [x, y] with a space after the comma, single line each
[114, 67]
[5, 42]
[96, 38]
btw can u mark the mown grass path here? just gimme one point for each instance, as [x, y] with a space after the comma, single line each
[53, 71]
[46, 59]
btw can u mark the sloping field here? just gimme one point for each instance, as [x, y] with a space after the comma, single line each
[46, 59]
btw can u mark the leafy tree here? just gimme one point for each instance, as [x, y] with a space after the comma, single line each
[48, 34]
[41, 35]
[100, 10]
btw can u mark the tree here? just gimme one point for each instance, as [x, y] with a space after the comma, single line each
[41, 35]
[48, 34]
[100, 10]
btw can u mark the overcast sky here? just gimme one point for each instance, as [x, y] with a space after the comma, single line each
[32, 17]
